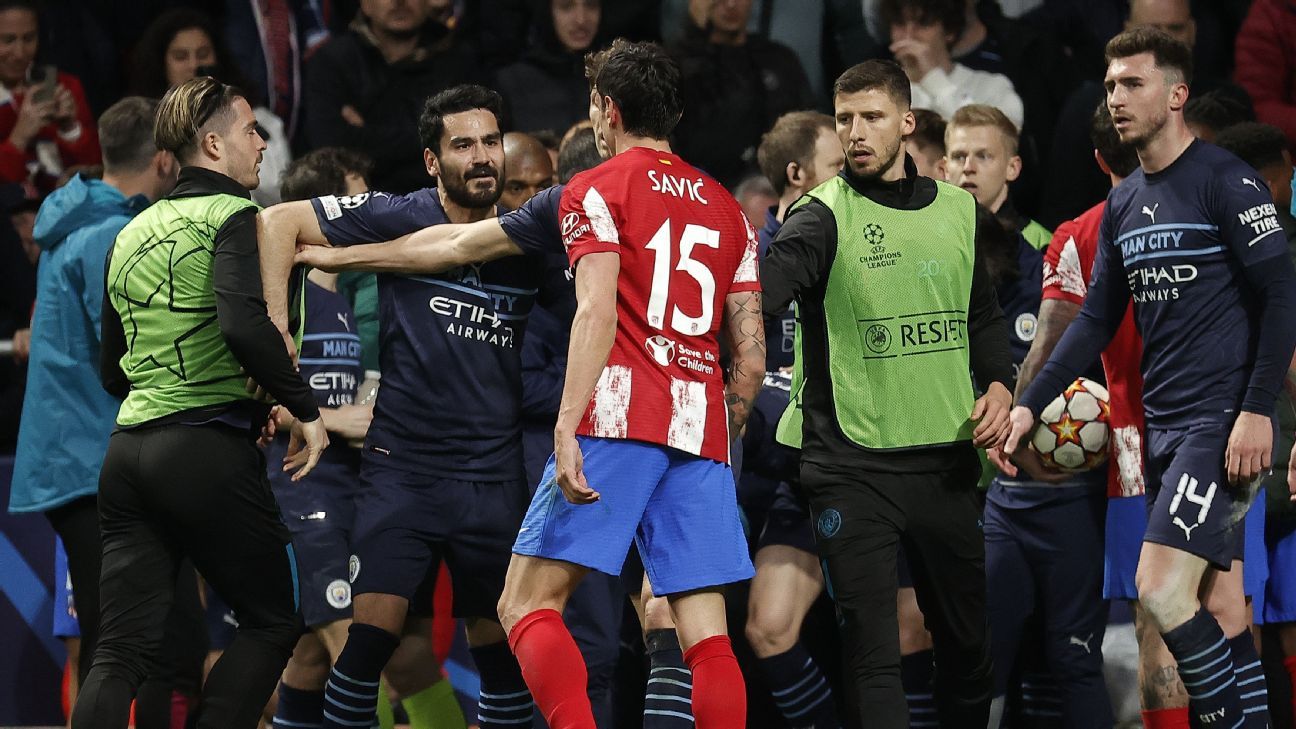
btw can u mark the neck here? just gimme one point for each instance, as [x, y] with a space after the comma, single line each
[1162, 150]
[790, 196]
[460, 214]
[132, 184]
[1116, 180]
[394, 47]
[999, 200]
[622, 142]
[897, 169]
[323, 279]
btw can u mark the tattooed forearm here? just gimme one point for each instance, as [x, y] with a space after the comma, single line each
[745, 327]
[1054, 317]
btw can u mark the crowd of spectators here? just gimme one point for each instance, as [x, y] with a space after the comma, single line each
[1016, 79]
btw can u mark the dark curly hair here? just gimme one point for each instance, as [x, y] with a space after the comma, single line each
[148, 61]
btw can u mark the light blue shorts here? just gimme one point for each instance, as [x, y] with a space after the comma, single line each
[681, 511]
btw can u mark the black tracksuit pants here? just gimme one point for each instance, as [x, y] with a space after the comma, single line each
[859, 518]
[200, 492]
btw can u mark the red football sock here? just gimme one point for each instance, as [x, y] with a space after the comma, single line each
[553, 668]
[1166, 719]
[1289, 663]
[719, 694]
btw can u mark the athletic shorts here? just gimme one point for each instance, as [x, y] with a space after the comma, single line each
[680, 510]
[1280, 591]
[222, 626]
[65, 617]
[1191, 506]
[787, 522]
[319, 512]
[405, 522]
[1126, 524]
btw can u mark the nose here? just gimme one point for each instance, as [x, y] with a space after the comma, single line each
[857, 129]
[902, 31]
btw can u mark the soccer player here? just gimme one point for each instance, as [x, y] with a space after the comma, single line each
[320, 515]
[1193, 238]
[185, 326]
[798, 153]
[981, 157]
[663, 256]
[926, 143]
[895, 306]
[1025, 503]
[442, 464]
[528, 169]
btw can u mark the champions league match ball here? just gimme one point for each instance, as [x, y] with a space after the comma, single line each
[1073, 430]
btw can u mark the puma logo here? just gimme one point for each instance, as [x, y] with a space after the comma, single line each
[1151, 212]
[1075, 640]
[1188, 530]
[345, 320]
[1252, 183]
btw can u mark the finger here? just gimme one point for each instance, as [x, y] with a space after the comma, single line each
[979, 408]
[1231, 465]
[313, 456]
[1014, 437]
[1252, 468]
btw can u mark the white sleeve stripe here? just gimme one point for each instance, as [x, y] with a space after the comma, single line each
[1263, 235]
[600, 217]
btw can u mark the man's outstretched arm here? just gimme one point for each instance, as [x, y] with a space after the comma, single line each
[280, 229]
[430, 250]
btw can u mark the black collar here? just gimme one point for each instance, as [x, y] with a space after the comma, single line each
[200, 182]
[911, 192]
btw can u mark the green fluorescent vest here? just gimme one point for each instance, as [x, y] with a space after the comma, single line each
[160, 284]
[1037, 235]
[895, 307]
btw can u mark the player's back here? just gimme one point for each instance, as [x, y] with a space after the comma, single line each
[684, 244]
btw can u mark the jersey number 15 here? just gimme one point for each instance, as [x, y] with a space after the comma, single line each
[660, 245]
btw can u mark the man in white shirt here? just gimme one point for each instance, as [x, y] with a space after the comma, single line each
[922, 32]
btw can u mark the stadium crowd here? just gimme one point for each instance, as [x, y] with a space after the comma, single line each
[466, 134]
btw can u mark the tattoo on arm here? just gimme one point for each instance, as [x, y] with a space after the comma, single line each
[1054, 317]
[746, 331]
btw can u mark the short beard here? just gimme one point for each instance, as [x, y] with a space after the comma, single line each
[457, 190]
[1142, 141]
[881, 170]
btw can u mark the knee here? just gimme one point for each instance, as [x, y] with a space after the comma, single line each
[770, 632]
[1161, 599]
[657, 614]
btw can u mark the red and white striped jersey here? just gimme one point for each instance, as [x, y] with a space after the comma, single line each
[684, 245]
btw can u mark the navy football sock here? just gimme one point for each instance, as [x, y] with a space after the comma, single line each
[1250, 680]
[351, 694]
[916, 675]
[800, 689]
[505, 702]
[668, 703]
[1206, 667]
[299, 708]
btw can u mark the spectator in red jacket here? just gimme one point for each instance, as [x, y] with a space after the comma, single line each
[1266, 63]
[45, 131]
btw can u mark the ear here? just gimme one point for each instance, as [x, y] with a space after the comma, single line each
[940, 167]
[212, 145]
[1102, 163]
[430, 162]
[907, 123]
[1178, 96]
[794, 174]
[611, 112]
[1014, 168]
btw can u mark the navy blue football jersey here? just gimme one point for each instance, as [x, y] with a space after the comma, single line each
[330, 348]
[1193, 247]
[450, 401]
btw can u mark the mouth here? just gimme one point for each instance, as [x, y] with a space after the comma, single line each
[1122, 122]
[861, 156]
